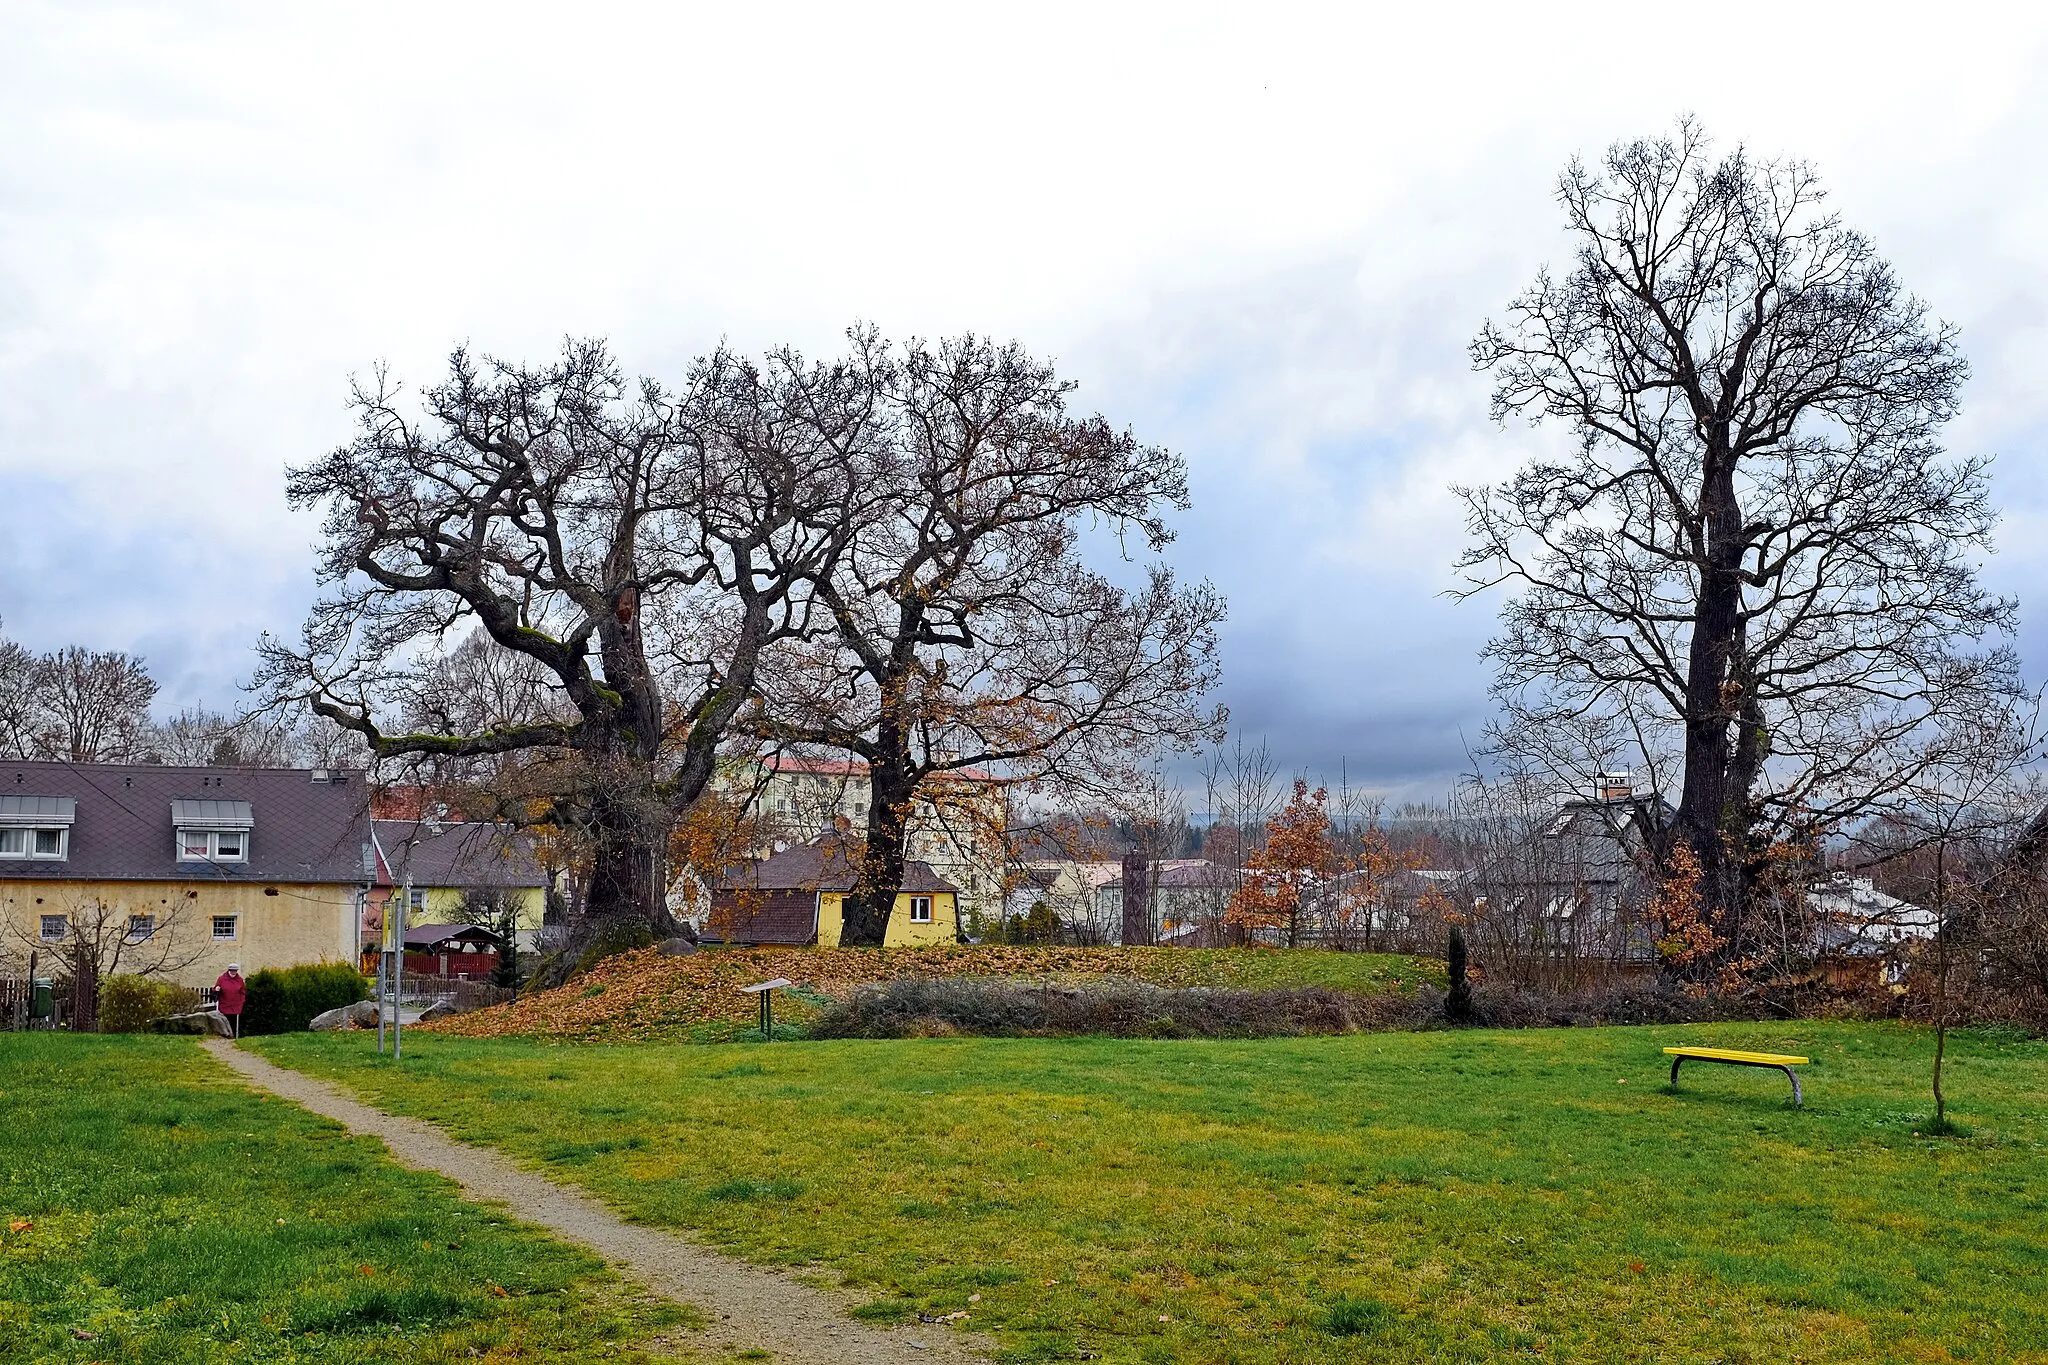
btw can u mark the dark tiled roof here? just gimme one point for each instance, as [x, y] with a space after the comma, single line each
[475, 854]
[305, 831]
[827, 864]
[431, 936]
[763, 916]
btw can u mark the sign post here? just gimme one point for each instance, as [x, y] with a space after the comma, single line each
[766, 990]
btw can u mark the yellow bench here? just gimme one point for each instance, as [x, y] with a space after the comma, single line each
[1777, 1061]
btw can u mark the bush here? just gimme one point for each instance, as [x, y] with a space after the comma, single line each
[129, 1003]
[1121, 1009]
[286, 1001]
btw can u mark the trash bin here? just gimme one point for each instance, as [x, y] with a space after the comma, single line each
[42, 1000]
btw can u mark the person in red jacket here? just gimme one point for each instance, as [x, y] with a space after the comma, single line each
[233, 990]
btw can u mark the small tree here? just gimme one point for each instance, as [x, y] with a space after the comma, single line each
[101, 940]
[498, 911]
[1458, 1002]
[1285, 872]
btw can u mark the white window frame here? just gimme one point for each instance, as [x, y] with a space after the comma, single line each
[141, 928]
[921, 903]
[29, 835]
[63, 923]
[234, 923]
[190, 838]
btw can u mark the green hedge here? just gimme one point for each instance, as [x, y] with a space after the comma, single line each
[129, 1003]
[286, 1001]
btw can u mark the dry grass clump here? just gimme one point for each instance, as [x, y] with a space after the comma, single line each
[1109, 1008]
[645, 994]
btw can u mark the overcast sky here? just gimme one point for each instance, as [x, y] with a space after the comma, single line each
[1260, 234]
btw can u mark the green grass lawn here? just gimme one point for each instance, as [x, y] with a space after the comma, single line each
[1381, 1197]
[153, 1210]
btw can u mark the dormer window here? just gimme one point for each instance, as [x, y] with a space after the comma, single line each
[213, 831]
[36, 827]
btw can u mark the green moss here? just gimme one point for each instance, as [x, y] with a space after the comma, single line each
[623, 937]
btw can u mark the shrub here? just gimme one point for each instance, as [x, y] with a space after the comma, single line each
[129, 1003]
[286, 1001]
[1123, 1009]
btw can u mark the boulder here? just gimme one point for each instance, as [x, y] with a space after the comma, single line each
[198, 1021]
[362, 1014]
[440, 1009]
[676, 947]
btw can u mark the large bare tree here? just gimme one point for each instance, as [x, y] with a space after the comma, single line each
[966, 630]
[74, 704]
[1750, 568]
[633, 551]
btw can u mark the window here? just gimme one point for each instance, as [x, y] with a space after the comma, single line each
[223, 926]
[54, 928]
[141, 928]
[920, 909]
[34, 843]
[213, 846]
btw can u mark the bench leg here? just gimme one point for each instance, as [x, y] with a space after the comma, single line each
[1674, 1071]
[1798, 1100]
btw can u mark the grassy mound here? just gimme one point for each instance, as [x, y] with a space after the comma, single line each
[647, 995]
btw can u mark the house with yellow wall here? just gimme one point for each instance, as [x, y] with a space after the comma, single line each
[185, 869]
[452, 869]
[958, 825]
[798, 896]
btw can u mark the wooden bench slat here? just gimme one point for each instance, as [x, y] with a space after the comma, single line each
[1725, 1054]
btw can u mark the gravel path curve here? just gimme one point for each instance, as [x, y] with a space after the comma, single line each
[748, 1307]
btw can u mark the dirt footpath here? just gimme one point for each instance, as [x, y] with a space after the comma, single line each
[749, 1307]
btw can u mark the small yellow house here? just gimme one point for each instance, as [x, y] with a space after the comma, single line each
[798, 896]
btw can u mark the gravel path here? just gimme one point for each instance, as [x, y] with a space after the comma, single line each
[748, 1307]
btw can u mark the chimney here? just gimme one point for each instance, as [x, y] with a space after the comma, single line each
[1614, 787]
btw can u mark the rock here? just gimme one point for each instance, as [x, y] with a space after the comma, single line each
[676, 947]
[198, 1021]
[440, 1009]
[362, 1014]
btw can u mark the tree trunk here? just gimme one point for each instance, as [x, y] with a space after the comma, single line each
[625, 902]
[1137, 919]
[1709, 808]
[85, 989]
[865, 911]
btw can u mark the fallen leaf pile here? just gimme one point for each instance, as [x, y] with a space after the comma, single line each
[646, 995]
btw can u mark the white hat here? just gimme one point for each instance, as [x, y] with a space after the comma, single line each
[234, 966]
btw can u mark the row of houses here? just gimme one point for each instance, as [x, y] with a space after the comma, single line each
[271, 867]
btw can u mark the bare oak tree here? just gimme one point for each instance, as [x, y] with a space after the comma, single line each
[966, 630]
[1751, 567]
[634, 550]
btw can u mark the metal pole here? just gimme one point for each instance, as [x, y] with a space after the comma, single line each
[398, 959]
[767, 1015]
[383, 969]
